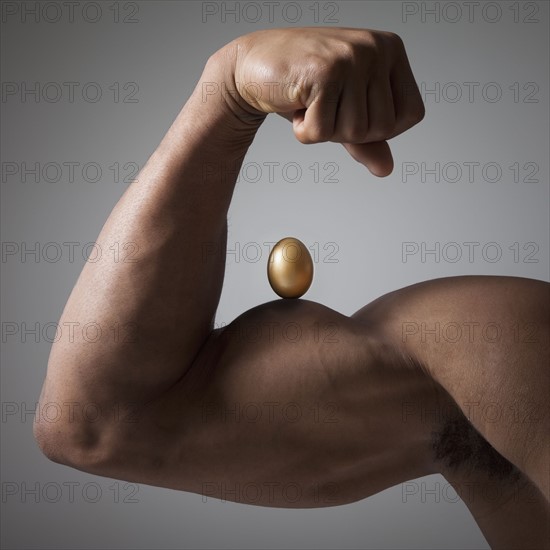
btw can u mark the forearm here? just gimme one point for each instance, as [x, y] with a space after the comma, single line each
[175, 213]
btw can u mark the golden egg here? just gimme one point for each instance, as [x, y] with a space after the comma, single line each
[290, 268]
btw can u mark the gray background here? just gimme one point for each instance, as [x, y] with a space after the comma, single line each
[368, 219]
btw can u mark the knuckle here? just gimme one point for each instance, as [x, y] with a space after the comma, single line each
[319, 67]
[321, 135]
[382, 130]
[376, 134]
[326, 73]
[303, 137]
[315, 60]
[314, 134]
[346, 50]
[389, 40]
[357, 131]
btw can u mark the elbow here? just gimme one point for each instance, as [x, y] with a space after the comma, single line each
[70, 445]
[45, 441]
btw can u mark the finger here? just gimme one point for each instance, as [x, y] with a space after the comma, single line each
[289, 116]
[316, 123]
[381, 111]
[408, 104]
[352, 120]
[376, 156]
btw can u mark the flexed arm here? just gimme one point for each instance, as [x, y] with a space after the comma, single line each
[344, 85]
[174, 396]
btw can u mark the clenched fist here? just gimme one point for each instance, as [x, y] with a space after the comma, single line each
[350, 86]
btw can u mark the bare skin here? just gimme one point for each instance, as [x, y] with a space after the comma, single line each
[319, 419]
[486, 340]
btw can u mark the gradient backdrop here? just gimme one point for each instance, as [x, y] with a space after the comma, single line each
[88, 92]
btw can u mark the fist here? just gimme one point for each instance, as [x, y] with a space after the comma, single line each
[349, 86]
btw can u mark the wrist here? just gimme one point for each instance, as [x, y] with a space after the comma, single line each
[214, 121]
[218, 87]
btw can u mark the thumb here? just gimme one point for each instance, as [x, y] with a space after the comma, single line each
[376, 156]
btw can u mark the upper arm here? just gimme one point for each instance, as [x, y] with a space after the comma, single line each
[267, 400]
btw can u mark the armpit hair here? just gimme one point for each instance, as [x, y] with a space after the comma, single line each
[459, 446]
